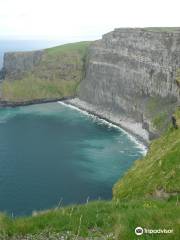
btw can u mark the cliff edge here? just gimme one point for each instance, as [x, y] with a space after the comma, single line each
[133, 73]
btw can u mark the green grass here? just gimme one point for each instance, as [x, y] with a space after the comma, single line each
[65, 62]
[32, 88]
[159, 111]
[160, 120]
[153, 104]
[99, 219]
[80, 47]
[158, 170]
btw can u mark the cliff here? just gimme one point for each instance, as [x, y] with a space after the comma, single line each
[48, 74]
[17, 64]
[133, 73]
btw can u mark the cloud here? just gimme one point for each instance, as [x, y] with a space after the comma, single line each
[82, 18]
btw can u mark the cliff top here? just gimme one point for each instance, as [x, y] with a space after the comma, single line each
[152, 29]
[163, 29]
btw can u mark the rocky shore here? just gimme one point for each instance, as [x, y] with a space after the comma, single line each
[128, 124]
[4, 103]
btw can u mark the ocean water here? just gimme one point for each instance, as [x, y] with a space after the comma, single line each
[24, 45]
[51, 154]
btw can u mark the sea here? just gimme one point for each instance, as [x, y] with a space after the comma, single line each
[53, 155]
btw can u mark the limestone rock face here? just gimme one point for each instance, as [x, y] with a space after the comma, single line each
[132, 72]
[16, 64]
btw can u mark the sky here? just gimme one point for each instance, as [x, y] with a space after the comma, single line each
[75, 20]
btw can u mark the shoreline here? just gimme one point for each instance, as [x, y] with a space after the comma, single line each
[4, 103]
[126, 124]
[141, 144]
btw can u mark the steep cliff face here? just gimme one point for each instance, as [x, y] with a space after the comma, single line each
[17, 64]
[133, 72]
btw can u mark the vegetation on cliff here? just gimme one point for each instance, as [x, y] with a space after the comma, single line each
[157, 173]
[56, 75]
[103, 219]
[31, 88]
[146, 196]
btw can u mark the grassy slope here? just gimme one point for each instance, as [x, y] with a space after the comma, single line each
[35, 88]
[133, 204]
[159, 170]
[57, 75]
[113, 218]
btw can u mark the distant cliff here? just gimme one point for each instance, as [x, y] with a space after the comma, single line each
[63, 62]
[134, 72]
[48, 74]
[17, 64]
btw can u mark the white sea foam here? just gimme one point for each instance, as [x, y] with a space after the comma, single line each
[142, 148]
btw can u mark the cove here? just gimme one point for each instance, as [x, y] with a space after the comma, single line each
[51, 153]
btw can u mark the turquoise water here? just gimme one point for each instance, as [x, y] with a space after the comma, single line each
[51, 153]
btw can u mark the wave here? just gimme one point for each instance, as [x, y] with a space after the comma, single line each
[139, 144]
